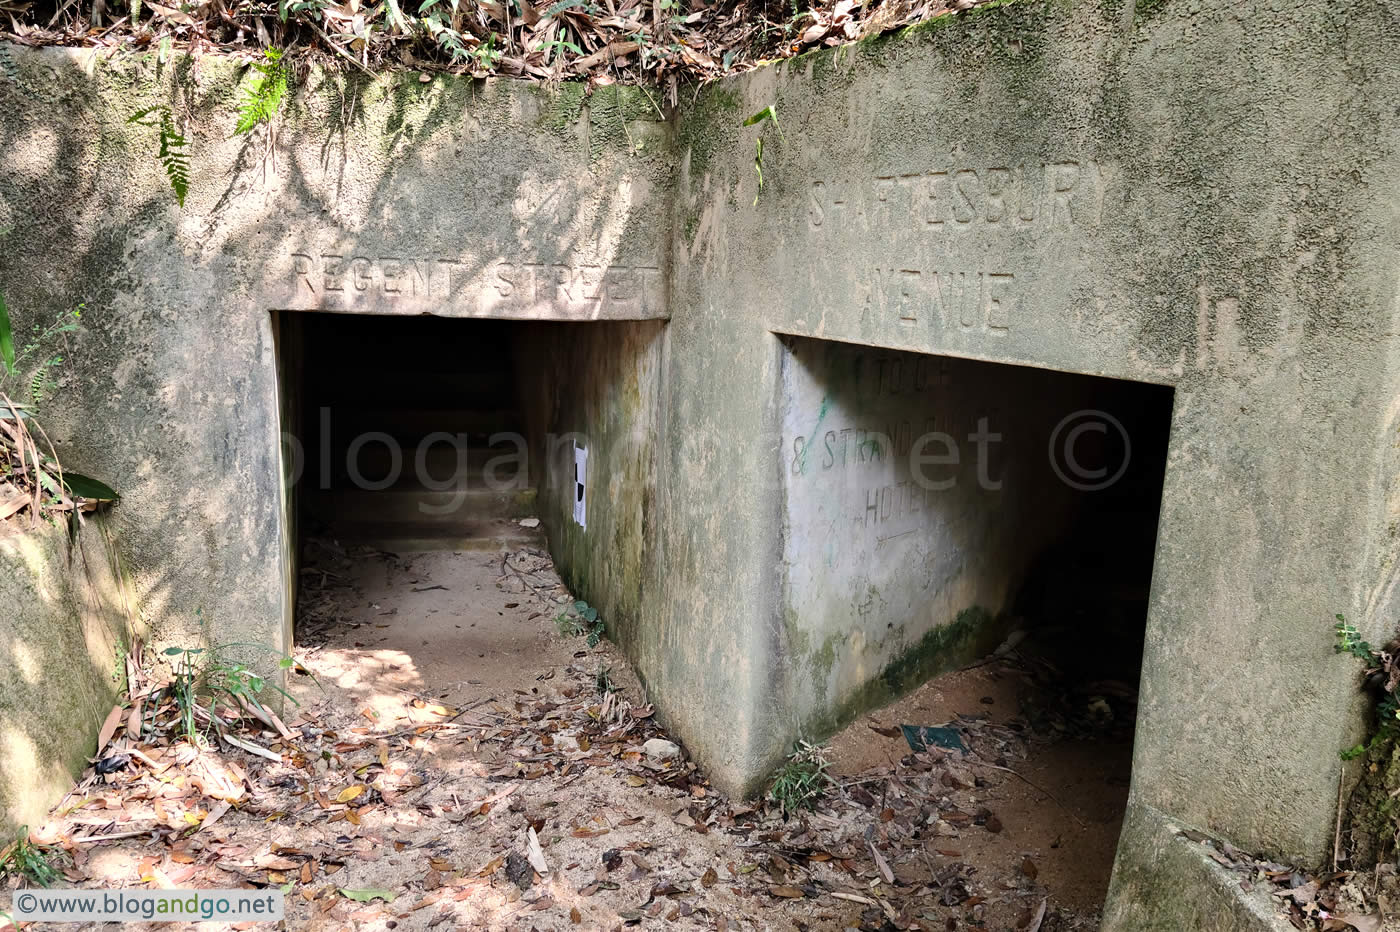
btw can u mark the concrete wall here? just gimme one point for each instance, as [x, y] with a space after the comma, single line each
[1172, 202]
[598, 386]
[390, 197]
[1195, 195]
[916, 494]
[65, 627]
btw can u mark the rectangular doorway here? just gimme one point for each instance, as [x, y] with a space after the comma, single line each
[970, 545]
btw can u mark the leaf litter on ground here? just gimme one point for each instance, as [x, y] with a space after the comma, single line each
[536, 806]
[660, 43]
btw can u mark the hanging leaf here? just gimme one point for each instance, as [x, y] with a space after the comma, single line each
[7, 338]
[91, 489]
[767, 113]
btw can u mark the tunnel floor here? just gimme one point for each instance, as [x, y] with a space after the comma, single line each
[1060, 757]
[450, 667]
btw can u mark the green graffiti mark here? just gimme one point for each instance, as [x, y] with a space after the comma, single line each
[802, 454]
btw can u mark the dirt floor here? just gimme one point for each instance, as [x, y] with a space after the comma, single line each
[458, 762]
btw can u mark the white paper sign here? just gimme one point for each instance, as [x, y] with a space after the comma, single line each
[580, 480]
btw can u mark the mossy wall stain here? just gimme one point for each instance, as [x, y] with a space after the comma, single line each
[598, 387]
[974, 633]
[69, 610]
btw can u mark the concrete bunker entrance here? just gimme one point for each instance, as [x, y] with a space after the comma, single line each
[415, 435]
[971, 544]
[425, 448]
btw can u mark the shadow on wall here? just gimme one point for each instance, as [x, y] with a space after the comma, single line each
[65, 628]
[172, 391]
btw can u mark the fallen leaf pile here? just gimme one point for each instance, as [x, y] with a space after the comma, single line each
[658, 42]
[1331, 901]
[33, 486]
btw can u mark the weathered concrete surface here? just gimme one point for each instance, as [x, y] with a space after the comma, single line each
[1193, 195]
[1162, 201]
[65, 627]
[1164, 882]
[392, 197]
[598, 387]
[917, 494]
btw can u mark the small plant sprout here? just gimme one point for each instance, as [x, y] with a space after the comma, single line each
[33, 862]
[202, 679]
[602, 681]
[802, 780]
[1349, 641]
[581, 620]
[766, 115]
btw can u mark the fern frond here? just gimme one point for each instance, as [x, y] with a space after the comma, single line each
[47, 482]
[264, 96]
[38, 386]
[174, 153]
[175, 157]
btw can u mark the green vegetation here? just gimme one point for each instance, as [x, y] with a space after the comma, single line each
[802, 780]
[262, 99]
[30, 473]
[768, 115]
[173, 153]
[32, 365]
[1381, 671]
[33, 862]
[1372, 824]
[204, 677]
[602, 681]
[263, 96]
[581, 620]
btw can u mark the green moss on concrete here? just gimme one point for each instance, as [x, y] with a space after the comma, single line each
[973, 634]
[610, 109]
[711, 127]
[563, 107]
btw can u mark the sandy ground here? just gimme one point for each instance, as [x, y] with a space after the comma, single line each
[448, 720]
[1063, 811]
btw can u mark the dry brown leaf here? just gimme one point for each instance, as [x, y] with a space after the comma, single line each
[109, 727]
[133, 720]
[273, 862]
[881, 863]
[175, 16]
[215, 814]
